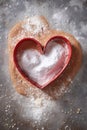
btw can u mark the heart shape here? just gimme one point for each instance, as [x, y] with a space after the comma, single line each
[39, 64]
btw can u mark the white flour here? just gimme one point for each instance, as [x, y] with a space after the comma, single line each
[35, 25]
[39, 66]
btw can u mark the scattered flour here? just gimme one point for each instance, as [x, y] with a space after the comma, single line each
[35, 25]
[61, 21]
[41, 109]
[32, 27]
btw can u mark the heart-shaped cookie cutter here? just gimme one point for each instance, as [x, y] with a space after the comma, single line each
[29, 43]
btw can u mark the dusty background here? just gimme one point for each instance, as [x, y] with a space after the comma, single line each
[70, 111]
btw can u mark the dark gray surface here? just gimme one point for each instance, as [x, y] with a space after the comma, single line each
[69, 112]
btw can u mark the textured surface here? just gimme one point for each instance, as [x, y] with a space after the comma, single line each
[70, 16]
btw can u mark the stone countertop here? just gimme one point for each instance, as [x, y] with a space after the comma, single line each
[69, 112]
